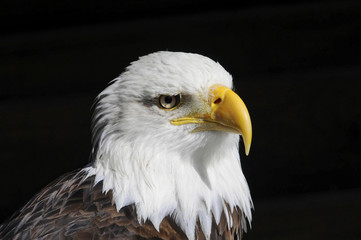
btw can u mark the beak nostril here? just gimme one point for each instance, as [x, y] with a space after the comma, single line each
[218, 100]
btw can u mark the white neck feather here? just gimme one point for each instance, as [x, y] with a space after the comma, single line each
[187, 185]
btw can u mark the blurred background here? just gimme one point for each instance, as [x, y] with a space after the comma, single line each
[296, 65]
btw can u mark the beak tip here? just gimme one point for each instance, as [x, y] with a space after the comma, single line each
[247, 148]
[247, 144]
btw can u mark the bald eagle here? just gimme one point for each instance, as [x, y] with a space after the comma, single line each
[165, 160]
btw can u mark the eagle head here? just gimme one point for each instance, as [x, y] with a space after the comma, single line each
[165, 138]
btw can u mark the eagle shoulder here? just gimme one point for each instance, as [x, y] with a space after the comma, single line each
[70, 207]
[74, 207]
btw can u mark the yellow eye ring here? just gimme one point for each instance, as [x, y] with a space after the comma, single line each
[169, 102]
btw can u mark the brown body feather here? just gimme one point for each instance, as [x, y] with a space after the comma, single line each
[73, 207]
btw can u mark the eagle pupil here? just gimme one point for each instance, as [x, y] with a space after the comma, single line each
[168, 99]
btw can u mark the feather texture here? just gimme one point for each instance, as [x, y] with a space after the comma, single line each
[74, 207]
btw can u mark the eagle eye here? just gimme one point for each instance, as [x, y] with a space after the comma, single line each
[169, 101]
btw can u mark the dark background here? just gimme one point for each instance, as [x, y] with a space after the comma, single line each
[296, 65]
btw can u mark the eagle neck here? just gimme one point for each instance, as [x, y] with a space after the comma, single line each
[188, 186]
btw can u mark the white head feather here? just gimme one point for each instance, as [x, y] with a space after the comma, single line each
[163, 169]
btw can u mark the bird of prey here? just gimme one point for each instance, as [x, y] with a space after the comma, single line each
[165, 161]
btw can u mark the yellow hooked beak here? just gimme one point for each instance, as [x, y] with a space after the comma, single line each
[228, 113]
